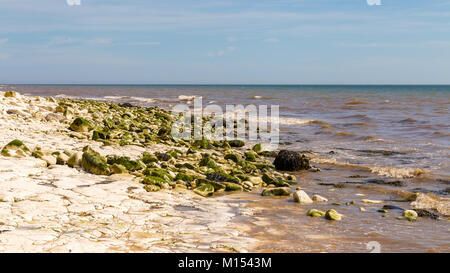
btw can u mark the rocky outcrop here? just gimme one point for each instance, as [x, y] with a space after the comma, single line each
[291, 161]
[94, 163]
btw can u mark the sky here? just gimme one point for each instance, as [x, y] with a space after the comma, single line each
[225, 42]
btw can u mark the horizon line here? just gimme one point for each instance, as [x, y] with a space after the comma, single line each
[234, 84]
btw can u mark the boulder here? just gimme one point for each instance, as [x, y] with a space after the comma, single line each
[49, 159]
[236, 143]
[75, 160]
[255, 180]
[232, 186]
[318, 198]
[302, 198]
[204, 190]
[257, 148]
[94, 163]
[15, 148]
[80, 125]
[291, 161]
[250, 156]
[233, 157]
[10, 94]
[118, 169]
[333, 215]
[411, 215]
[280, 191]
[62, 159]
[315, 213]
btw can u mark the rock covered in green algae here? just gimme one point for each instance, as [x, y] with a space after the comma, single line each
[236, 143]
[271, 180]
[232, 186]
[10, 94]
[154, 183]
[250, 156]
[280, 191]
[183, 177]
[208, 162]
[94, 163]
[315, 213]
[118, 169]
[37, 152]
[333, 215]
[115, 124]
[148, 158]
[80, 125]
[130, 165]
[15, 148]
[257, 148]
[221, 177]
[411, 215]
[205, 190]
[233, 157]
[96, 135]
[291, 161]
[161, 173]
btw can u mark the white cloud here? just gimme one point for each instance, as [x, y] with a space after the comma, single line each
[3, 41]
[231, 39]
[271, 40]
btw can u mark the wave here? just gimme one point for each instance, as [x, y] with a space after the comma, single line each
[408, 120]
[146, 100]
[356, 101]
[366, 138]
[344, 134]
[114, 97]
[398, 172]
[382, 171]
[299, 121]
[263, 98]
[187, 97]
[357, 116]
[441, 134]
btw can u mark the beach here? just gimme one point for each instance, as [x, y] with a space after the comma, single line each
[48, 206]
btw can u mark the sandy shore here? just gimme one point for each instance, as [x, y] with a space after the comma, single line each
[63, 209]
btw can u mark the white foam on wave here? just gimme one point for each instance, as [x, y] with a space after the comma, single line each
[113, 97]
[382, 171]
[297, 121]
[187, 97]
[397, 172]
[141, 99]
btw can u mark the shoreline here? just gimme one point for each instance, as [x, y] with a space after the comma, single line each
[50, 207]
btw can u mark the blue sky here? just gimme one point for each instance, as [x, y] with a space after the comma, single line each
[225, 41]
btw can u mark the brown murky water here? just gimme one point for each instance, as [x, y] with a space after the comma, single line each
[283, 226]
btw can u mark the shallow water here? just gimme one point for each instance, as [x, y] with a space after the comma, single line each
[283, 226]
[394, 133]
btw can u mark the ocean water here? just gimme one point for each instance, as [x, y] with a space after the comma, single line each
[355, 134]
